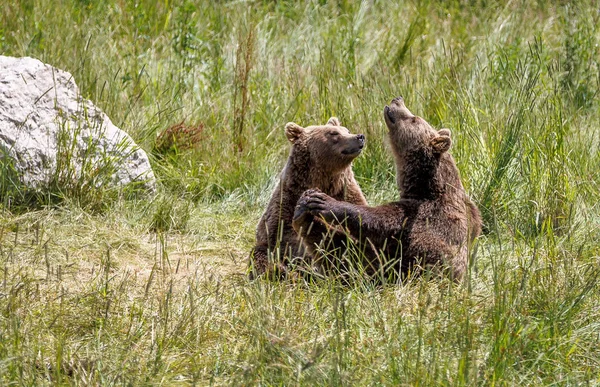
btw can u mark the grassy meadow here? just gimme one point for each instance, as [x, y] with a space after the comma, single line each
[100, 287]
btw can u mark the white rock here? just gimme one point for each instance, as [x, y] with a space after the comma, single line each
[53, 135]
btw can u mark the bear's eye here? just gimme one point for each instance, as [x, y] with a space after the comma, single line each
[333, 133]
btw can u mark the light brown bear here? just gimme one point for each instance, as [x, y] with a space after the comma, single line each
[321, 157]
[432, 225]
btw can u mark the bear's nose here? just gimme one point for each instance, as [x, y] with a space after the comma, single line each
[361, 139]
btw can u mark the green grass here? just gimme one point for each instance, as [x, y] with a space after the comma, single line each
[99, 289]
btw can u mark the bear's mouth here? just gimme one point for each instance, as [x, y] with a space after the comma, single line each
[388, 113]
[352, 151]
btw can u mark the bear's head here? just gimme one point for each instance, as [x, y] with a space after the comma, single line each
[329, 147]
[409, 132]
[422, 162]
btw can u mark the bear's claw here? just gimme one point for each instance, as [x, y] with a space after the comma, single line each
[314, 201]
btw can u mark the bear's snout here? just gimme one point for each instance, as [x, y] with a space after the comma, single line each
[355, 145]
[361, 140]
[398, 101]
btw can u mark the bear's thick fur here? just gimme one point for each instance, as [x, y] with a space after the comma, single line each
[321, 157]
[432, 225]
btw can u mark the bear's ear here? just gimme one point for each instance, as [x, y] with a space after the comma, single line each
[293, 131]
[445, 132]
[333, 121]
[441, 144]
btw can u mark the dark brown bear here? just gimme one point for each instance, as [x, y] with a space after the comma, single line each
[432, 225]
[321, 157]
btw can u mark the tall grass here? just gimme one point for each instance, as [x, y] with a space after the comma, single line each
[154, 291]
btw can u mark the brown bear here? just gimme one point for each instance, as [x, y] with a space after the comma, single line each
[321, 157]
[432, 225]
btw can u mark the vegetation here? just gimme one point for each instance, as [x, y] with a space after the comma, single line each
[108, 289]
